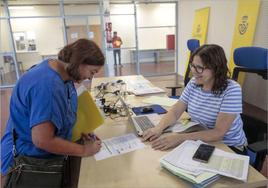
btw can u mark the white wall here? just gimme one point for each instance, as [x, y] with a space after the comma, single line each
[220, 31]
[220, 26]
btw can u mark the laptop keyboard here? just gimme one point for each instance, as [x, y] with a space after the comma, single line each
[144, 122]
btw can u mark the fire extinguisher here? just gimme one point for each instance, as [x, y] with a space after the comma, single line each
[108, 29]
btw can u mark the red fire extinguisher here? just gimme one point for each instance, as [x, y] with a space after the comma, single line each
[108, 29]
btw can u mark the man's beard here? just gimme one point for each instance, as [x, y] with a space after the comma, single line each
[73, 72]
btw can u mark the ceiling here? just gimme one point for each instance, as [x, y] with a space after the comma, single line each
[51, 2]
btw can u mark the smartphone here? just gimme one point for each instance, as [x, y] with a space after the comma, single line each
[203, 153]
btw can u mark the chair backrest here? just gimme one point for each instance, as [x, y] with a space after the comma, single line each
[192, 45]
[251, 59]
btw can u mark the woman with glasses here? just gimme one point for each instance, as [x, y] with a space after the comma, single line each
[211, 99]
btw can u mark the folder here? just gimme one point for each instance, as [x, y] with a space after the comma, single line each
[89, 116]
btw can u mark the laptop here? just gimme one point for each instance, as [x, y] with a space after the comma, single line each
[141, 123]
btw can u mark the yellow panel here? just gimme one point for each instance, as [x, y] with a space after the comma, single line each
[200, 28]
[246, 19]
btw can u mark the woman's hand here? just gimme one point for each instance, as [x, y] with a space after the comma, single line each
[167, 141]
[151, 134]
[91, 147]
[89, 137]
[92, 144]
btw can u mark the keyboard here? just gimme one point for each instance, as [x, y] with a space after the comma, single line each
[144, 122]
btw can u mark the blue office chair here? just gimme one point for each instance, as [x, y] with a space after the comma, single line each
[250, 59]
[253, 60]
[192, 45]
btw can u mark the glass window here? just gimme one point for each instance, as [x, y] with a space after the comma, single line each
[81, 9]
[19, 10]
[84, 27]
[2, 10]
[157, 14]
[121, 9]
[37, 39]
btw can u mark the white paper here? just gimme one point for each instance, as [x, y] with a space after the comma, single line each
[225, 163]
[142, 88]
[118, 145]
[164, 101]
[221, 162]
[180, 126]
[177, 155]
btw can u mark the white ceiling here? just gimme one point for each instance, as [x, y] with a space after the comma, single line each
[46, 2]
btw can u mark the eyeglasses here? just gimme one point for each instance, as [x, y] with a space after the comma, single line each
[199, 69]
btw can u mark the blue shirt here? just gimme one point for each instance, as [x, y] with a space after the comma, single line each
[40, 95]
[204, 107]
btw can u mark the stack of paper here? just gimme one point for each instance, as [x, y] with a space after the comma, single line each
[179, 161]
[142, 87]
[164, 101]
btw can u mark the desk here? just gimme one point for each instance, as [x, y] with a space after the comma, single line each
[141, 168]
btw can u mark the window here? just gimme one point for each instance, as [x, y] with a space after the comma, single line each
[25, 41]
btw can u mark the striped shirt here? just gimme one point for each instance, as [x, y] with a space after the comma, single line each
[204, 107]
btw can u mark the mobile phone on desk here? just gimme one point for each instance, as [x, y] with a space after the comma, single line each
[203, 153]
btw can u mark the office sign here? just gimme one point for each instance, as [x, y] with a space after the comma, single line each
[246, 19]
[200, 28]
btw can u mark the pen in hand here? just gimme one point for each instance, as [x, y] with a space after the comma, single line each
[89, 137]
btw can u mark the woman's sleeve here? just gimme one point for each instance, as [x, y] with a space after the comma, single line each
[232, 100]
[185, 96]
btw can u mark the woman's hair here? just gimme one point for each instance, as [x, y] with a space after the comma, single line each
[82, 51]
[213, 57]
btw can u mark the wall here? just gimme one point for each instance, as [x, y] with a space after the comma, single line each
[49, 32]
[220, 31]
[220, 26]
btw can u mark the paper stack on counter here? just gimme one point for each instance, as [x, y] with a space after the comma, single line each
[179, 161]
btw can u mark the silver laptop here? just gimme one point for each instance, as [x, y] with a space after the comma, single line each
[141, 123]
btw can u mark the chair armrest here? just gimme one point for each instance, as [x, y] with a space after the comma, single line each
[262, 72]
[258, 147]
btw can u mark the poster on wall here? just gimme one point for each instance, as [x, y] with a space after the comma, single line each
[200, 28]
[245, 24]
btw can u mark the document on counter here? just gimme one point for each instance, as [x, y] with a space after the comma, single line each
[164, 101]
[221, 162]
[119, 145]
[143, 88]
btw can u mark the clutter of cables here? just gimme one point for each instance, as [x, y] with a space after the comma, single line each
[107, 98]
